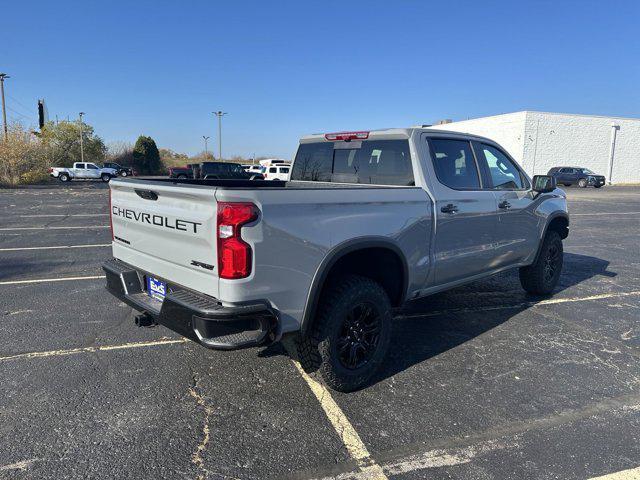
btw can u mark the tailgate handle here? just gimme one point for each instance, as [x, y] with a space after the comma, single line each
[147, 194]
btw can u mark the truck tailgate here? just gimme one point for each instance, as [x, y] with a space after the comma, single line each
[167, 230]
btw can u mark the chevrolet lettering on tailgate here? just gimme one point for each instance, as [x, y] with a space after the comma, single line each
[157, 220]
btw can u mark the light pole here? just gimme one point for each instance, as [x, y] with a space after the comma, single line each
[205, 145]
[81, 146]
[4, 111]
[219, 114]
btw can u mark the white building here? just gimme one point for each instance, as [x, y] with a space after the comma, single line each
[609, 146]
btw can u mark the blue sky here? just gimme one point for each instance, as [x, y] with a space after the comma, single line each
[283, 69]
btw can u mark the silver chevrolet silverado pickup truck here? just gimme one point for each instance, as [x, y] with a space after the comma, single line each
[368, 221]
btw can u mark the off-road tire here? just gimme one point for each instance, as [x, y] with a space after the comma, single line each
[582, 183]
[535, 278]
[64, 177]
[317, 350]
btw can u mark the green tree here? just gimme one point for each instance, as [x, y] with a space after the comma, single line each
[146, 157]
[22, 157]
[62, 142]
[169, 158]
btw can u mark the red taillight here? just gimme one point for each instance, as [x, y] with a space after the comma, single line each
[234, 254]
[110, 215]
[50, 170]
[347, 136]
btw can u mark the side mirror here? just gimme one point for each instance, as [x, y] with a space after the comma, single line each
[544, 183]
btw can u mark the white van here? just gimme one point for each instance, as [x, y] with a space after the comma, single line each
[277, 172]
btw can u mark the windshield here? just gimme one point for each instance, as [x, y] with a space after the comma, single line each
[587, 171]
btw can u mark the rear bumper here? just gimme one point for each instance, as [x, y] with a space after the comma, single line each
[198, 317]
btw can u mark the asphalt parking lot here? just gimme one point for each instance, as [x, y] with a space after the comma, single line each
[482, 381]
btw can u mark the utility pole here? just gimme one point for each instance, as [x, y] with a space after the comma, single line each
[81, 147]
[4, 109]
[205, 145]
[219, 114]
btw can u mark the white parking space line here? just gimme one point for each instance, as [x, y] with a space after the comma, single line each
[355, 446]
[631, 474]
[66, 215]
[58, 247]
[437, 458]
[603, 213]
[45, 280]
[103, 348]
[551, 301]
[53, 228]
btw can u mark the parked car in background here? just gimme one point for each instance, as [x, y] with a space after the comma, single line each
[226, 170]
[277, 172]
[83, 171]
[583, 177]
[181, 172]
[122, 171]
[253, 168]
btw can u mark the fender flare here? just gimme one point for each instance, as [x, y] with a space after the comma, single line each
[333, 256]
[550, 218]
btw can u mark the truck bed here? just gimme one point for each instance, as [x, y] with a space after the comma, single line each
[168, 228]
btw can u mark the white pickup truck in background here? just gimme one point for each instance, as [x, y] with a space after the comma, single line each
[83, 170]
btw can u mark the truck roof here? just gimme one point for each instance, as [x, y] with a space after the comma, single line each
[396, 133]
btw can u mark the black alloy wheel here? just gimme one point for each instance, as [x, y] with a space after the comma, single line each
[359, 336]
[551, 263]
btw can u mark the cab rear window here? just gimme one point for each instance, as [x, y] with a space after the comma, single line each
[376, 162]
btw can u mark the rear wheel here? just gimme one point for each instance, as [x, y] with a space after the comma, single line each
[64, 177]
[582, 183]
[350, 335]
[181, 176]
[541, 277]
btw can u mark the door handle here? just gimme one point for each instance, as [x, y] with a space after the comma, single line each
[504, 205]
[450, 208]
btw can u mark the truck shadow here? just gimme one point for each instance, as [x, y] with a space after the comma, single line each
[431, 326]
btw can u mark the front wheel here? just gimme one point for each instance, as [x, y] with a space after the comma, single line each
[351, 333]
[105, 177]
[541, 277]
[124, 174]
[582, 183]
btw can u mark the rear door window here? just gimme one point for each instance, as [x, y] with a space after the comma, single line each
[374, 162]
[455, 164]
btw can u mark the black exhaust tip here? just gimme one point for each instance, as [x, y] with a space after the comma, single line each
[145, 320]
